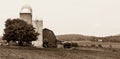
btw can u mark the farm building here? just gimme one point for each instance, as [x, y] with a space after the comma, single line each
[49, 39]
[26, 15]
[46, 37]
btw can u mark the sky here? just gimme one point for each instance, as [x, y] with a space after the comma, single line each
[86, 17]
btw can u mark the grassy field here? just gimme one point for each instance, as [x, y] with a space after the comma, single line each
[104, 44]
[50, 53]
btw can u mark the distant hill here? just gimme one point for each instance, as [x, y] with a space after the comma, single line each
[115, 38]
[74, 37]
[78, 37]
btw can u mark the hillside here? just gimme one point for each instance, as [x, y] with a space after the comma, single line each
[74, 37]
[78, 37]
[115, 38]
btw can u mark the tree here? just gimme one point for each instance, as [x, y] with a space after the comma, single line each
[18, 30]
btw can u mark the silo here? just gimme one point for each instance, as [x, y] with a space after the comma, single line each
[26, 14]
[38, 24]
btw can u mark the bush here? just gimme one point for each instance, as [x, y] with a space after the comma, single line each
[74, 45]
[93, 45]
[67, 45]
[99, 45]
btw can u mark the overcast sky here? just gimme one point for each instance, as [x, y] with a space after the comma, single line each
[87, 17]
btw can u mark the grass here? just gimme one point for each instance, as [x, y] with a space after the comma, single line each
[54, 53]
[104, 44]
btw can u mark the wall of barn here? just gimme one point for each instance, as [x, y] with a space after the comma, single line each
[49, 39]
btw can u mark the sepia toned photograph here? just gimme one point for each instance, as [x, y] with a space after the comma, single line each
[59, 29]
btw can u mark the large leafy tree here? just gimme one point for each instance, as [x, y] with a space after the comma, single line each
[18, 30]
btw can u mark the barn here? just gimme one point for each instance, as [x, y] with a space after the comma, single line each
[49, 39]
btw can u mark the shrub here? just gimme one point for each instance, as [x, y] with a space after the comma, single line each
[99, 45]
[93, 45]
[74, 45]
[67, 45]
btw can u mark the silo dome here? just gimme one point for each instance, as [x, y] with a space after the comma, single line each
[26, 9]
[26, 14]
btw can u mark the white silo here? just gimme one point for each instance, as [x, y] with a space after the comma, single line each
[26, 14]
[38, 24]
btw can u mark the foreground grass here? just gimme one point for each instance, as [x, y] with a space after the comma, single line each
[52, 53]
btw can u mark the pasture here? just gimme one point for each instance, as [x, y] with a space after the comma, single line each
[54, 53]
[103, 44]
